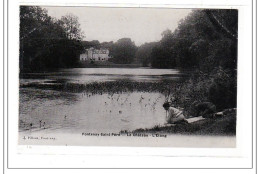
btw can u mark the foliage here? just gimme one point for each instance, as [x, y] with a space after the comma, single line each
[123, 51]
[44, 42]
[223, 90]
[218, 87]
[89, 44]
[203, 40]
[206, 42]
[143, 53]
[160, 57]
[71, 27]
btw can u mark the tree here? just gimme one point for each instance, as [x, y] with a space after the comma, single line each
[71, 27]
[123, 51]
[167, 38]
[162, 53]
[204, 39]
[89, 44]
[159, 57]
[143, 53]
[44, 44]
[107, 45]
[225, 21]
[35, 27]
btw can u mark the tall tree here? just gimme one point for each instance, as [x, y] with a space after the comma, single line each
[71, 26]
[143, 53]
[123, 51]
[43, 41]
[204, 39]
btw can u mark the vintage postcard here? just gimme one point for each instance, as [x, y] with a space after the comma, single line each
[158, 85]
[103, 76]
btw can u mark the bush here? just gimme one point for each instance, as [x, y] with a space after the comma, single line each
[218, 87]
[223, 90]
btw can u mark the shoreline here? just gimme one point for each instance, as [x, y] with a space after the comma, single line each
[222, 126]
[171, 89]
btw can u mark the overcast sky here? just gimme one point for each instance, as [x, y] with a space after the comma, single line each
[110, 24]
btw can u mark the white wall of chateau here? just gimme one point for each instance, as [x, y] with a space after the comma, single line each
[95, 55]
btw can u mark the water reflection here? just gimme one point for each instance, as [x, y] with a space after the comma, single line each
[90, 75]
[86, 112]
[93, 99]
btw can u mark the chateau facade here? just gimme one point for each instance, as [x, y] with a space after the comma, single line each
[93, 54]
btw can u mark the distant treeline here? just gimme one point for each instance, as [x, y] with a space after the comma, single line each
[47, 43]
[205, 39]
[122, 51]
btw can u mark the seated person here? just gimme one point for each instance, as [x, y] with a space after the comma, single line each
[174, 115]
[204, 109]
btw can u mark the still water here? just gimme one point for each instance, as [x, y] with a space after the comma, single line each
[46, 110]
[90, 75]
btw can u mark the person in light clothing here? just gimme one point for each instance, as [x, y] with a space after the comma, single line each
[174, 115]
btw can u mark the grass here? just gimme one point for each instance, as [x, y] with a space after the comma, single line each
[218, 126]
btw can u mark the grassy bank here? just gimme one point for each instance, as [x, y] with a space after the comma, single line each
[225, 126]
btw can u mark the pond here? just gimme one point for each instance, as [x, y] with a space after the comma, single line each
[49, 110]
[77, 106]
[90, 75]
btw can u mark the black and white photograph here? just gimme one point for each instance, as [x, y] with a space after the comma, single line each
[136, 77]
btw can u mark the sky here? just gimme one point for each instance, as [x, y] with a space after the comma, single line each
[110, 24]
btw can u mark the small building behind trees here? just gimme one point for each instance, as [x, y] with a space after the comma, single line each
[93, 54]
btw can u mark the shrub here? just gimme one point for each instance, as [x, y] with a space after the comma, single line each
[218, 87]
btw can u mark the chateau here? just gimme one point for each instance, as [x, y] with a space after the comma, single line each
[93, 54]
